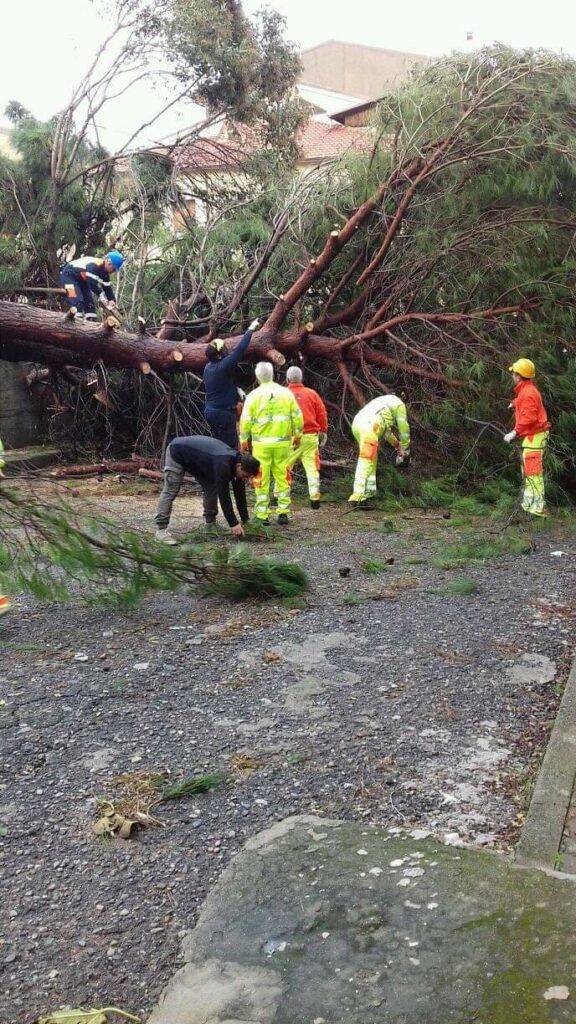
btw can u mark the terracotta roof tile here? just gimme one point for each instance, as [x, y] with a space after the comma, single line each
[319, 140]
[316, 140]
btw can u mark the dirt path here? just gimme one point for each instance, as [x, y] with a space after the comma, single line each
[401, 694]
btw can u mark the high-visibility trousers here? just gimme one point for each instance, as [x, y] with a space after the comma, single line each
[365, 476]
[274, 462]
[308, 454]
[533, 497]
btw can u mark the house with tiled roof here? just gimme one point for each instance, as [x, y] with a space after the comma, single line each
[340, 84]
[220, 158]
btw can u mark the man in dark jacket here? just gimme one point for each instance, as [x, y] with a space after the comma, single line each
[221, 392]
[88, 276]
[215, 466]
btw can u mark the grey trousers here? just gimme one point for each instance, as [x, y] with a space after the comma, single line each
[173, 477]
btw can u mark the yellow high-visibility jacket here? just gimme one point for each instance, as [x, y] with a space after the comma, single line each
[380, 415]
[271, 415]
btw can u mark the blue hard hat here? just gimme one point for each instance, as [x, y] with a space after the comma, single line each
[116, 259]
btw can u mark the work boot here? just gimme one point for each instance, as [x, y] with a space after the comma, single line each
[362, 506]
[165, 537]
[91, 318]
[5, 605]
[314, 503]
[282, 519]
[260, 522]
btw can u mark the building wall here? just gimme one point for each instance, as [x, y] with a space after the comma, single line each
[19, 422]
[357, 70]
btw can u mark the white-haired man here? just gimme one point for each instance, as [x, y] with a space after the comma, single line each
[272, 424]
[315, 432]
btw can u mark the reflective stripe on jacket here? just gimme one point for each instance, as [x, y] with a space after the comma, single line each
[376, 415]
[91, 270]
[530, 414]
[271, 415]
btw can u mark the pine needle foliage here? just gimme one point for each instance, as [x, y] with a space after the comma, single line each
[189, 787]
[239, 576]
[51, 550]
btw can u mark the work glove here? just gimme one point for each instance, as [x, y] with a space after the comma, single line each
[237, 531]
[510, 437]
[322, 438]
[254, 325]
[296, 442]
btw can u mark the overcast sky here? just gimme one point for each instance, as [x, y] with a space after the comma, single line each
[46, 46]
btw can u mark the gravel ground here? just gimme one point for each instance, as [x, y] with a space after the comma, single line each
[386, 699]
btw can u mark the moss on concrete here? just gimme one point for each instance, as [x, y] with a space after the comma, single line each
[358, 926]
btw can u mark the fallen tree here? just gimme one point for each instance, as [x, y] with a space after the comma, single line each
[425, 265]
[44, 337]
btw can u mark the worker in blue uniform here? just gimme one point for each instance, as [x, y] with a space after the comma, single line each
[221, 393]
[88, 276]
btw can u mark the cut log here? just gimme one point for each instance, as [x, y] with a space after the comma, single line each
[151, 474]
[336, 463]
[132, 465]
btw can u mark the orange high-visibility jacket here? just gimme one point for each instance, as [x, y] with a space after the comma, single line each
[529, 410]
[312, 408]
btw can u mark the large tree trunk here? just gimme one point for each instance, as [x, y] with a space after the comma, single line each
[51, 338]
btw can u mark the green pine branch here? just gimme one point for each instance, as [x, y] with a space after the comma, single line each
[50, 550]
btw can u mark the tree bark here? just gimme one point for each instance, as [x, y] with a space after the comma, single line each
[49, 338]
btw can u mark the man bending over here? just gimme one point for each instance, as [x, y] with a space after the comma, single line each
[215, 466]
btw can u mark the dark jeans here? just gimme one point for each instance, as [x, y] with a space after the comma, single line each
[78, 292]
[224, 425]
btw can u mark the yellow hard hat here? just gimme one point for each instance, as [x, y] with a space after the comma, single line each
[523, 367]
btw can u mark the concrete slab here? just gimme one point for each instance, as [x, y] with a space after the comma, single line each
[544, 826]
[319, 922]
